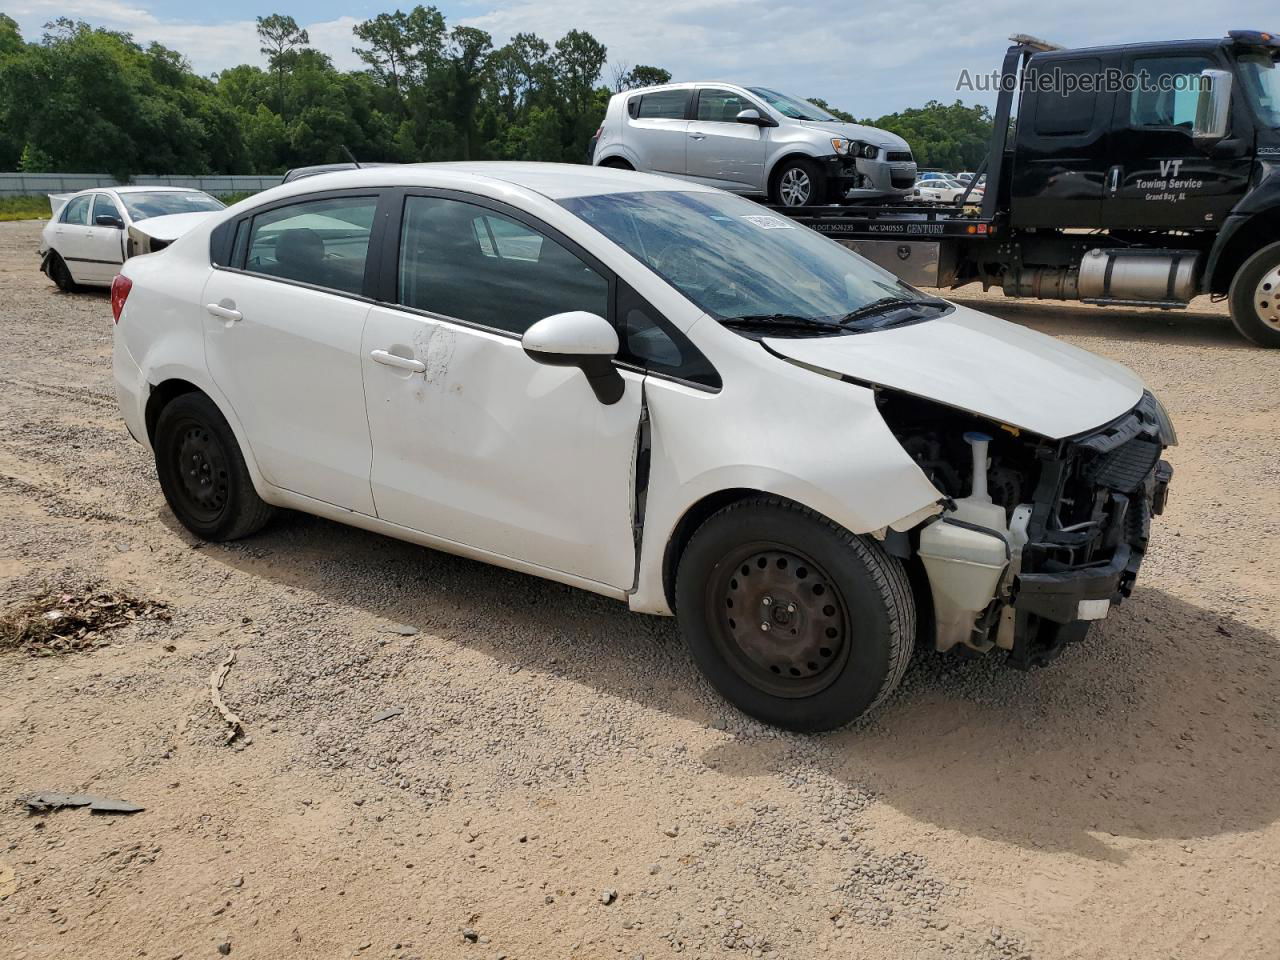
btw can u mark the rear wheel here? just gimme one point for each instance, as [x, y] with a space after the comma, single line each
[202, 472]
[792, 618]
[1255, 297]
[60, 274]
[617, 163]
[798, 183]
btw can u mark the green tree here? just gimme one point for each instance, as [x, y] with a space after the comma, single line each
[402, 47]
[644, 76]
[280, 35]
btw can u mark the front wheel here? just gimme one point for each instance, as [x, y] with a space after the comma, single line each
[202, 472]
[1255, 297]
[798, 183]
[792, 618]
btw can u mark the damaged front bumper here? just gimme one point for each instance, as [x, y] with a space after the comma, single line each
[1066, 555]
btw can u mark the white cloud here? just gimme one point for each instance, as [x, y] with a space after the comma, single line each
[869, 58]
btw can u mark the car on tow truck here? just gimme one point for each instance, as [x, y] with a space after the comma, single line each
[655, 391]
[752, 140]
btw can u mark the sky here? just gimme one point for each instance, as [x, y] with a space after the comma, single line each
[870, 58]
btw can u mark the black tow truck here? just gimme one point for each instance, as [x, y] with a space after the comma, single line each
[1136, 175]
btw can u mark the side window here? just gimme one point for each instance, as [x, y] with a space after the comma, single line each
[649, 341]
[721, 106]
[104, 206]
[1167, 91]
[1068, 107]
[76, 211]
[465, 261]
[321, 242]
[664, 105]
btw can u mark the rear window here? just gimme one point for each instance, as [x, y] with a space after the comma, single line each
[663, 105]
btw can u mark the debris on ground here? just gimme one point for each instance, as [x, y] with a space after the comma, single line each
[8, 880]
[216, 681]
[49, 800]
[388, 714]
[402, 629]
[65, 621]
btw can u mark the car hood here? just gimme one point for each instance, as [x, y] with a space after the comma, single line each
[975, 362]
[170, 226]
[858, 131]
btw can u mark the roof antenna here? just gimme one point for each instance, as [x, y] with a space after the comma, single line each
[350, 156]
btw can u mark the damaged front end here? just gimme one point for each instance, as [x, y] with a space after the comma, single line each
[1038, 537]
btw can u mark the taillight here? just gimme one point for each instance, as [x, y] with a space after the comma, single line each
[120, 288]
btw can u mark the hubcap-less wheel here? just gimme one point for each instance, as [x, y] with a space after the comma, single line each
[1266, 298]
[204, 473]
[778, 620]
[795, 187]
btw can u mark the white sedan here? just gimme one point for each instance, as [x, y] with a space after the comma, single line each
[940, 190]
[89, 234]
[655, 391]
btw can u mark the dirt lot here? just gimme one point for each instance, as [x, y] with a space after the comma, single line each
[561, 784]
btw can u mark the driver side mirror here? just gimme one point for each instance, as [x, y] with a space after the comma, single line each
[107, 220]
[583, 340]
[753, 117]
[1213, 106]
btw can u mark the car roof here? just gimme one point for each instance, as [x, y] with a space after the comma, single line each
[555, 181]
[144, 188]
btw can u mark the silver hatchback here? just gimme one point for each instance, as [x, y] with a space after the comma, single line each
[752, 140]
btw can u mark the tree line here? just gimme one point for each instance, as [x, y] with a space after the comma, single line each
[87, 99]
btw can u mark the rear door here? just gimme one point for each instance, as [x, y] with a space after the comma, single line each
[723, 152]
[71, 238]
[474, 442]
[1061, 162]
[1159, 177]
[656, 126]
[283, 328]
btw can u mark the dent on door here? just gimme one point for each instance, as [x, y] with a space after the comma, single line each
[485, 447]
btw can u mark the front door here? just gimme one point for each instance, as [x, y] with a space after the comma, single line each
[1159, 178]
[723, 152]
[103, 245]
[283, 331]
[473, 441]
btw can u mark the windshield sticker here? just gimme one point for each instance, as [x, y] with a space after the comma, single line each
[765, 222]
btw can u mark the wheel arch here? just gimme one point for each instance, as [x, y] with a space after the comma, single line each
[1260, 230]
[695, 516]
[617, 151]
[791, 153]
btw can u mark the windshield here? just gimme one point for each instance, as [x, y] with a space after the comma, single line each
[143, 206]
[1261, 80]
[739, 262]
[792, 107]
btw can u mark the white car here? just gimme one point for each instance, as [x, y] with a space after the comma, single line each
[939, 190]
[654, 391]
[752, 140]
[90, 233]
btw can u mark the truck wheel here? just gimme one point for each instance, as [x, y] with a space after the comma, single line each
[202, 472]
[792, 618]
[798, 183]
[1255, 297]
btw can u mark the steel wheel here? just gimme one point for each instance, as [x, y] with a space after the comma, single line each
[778, 620]
[1266, 298]
[795, 187]
[203, 469]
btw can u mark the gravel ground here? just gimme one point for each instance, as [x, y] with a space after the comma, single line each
[560, 783]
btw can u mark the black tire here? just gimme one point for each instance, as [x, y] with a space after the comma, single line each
[1255, 297]
[798, 183]
[202, 472]
[840, 610]
[60, 274]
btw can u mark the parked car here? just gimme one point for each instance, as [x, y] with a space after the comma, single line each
[752, 140]
[655, 391]
[939, 190]
[88, 236]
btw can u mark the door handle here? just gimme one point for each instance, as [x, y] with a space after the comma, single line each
[223, 313]
[1113, 179]
[400, 363]
[697, 136]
